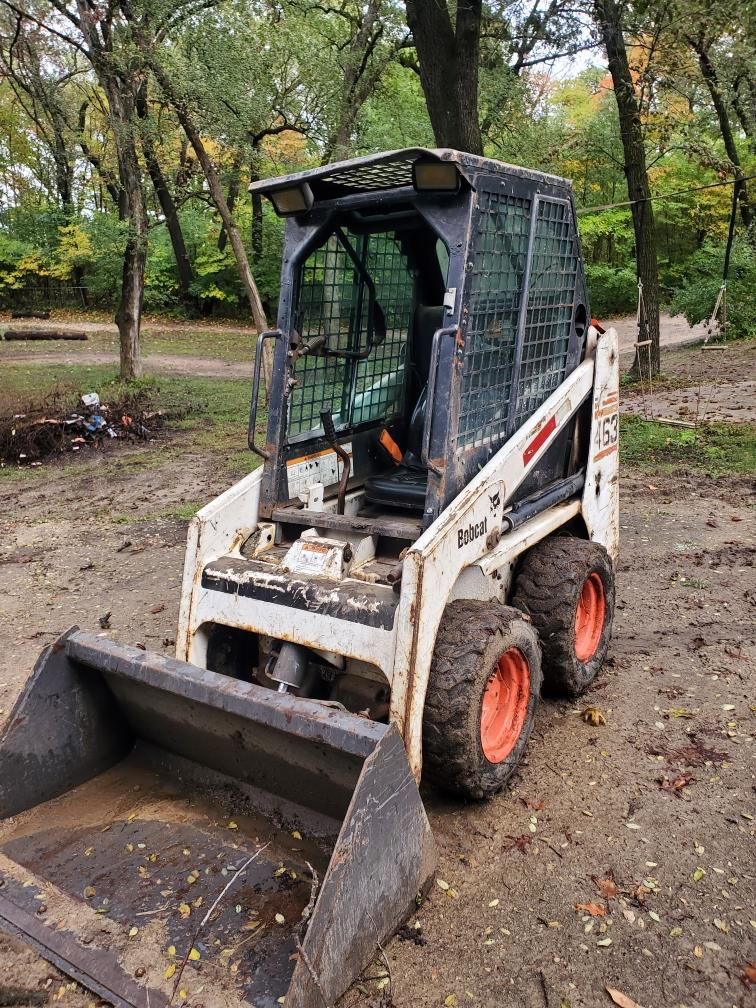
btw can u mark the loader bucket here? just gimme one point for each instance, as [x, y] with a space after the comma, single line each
[162, 826]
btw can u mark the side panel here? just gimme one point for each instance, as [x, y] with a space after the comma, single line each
[219, 528]
[64, 728]
[466, 531]
[601, 492]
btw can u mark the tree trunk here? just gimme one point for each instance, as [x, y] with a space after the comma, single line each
[449, 58]
[709, 74]
[233, 194]
[120, 89]
[129, 312]
[214, 185]
[256, 229]
[219, 199]
[167, 205]
[609, 19]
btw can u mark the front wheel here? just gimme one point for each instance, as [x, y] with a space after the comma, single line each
[484, 686]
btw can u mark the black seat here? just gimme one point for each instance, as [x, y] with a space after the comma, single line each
[405, 486]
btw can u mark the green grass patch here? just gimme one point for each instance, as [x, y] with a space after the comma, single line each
[714, 449]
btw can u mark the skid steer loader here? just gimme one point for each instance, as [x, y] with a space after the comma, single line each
[431, 533]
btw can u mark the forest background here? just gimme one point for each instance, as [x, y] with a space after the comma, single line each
[130, 129]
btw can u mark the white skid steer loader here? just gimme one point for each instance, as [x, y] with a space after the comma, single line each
[430, 536]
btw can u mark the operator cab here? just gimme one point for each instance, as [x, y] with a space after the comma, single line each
[430, 302]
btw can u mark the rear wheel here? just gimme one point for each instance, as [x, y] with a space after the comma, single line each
[484, 685]
[566, 586]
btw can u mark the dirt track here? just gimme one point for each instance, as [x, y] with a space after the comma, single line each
[588, 805]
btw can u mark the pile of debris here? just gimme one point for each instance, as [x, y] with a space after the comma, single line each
[52, 429]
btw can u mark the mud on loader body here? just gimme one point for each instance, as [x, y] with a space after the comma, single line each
[431, 534]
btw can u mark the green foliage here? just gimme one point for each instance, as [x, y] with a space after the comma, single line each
[612, 290]
[74, 251]
[716, 449]
[19, 262]
[607, 236]
[107, 238]
[701, 277]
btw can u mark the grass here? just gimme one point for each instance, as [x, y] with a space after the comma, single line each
[204, 414]
[714, 450]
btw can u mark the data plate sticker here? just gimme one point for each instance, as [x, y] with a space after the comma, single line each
[319, 467]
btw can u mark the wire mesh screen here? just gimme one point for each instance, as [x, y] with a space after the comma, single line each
[384, 175]
[334, 303]
[548, 320]
[496, 277]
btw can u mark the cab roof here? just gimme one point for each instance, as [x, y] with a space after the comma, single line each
[393, 170]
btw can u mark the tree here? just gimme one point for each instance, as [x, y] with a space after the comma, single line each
[701, 44]
[165, 198]
[608, 14]
[448, 50]
[91, 29]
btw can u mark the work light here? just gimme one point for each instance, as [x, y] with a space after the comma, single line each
[295, 200]
[435, 176]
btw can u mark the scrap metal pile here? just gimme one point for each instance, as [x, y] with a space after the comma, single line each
[54, 428]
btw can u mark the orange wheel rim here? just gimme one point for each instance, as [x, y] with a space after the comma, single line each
[589, 618]
[505, 706]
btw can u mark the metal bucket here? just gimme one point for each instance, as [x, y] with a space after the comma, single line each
[171, 834]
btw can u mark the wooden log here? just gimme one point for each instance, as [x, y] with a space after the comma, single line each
[672, 422]
[44, 334]
[30, 313]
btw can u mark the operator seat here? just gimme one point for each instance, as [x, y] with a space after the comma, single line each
[405, 486]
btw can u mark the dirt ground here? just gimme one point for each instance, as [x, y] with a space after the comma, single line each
[623, 853]
[716, 383]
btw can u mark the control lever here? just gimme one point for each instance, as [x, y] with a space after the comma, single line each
[326, 418]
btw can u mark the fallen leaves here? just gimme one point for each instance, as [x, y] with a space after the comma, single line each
[749, 974]
[594, 909]
[623, 1000]
[534, 806]
[593, 716]
[521, 842]
[694, 755]
[606, 886]
[679, 712]
[676, 785]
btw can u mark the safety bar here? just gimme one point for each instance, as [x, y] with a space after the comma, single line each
[430, 399]
[270, 334]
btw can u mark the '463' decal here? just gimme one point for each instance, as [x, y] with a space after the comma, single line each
[605, 435]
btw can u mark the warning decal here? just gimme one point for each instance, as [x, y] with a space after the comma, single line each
[319, 467]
